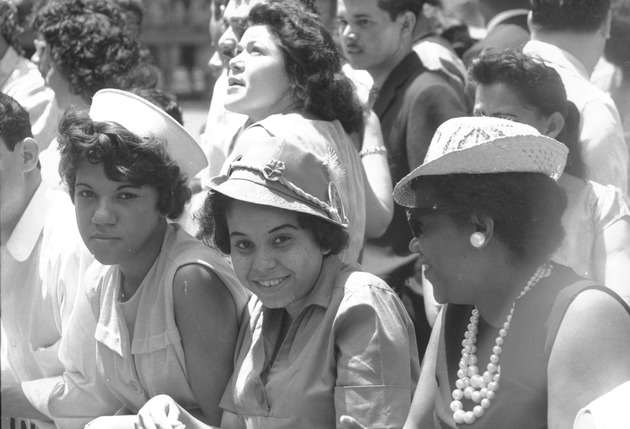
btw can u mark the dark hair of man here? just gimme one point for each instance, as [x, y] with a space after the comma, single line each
[165, 101]
[526, 208]
[312, 62]
[15, 124]
[537, 85]
[580, 16]
[396, 8]
[125, 158]
[214, 230]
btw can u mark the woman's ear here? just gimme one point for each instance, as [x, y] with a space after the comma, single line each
[483, 226]
[555, 124]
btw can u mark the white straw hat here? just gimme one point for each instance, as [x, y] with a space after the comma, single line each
[484, 145]
[278, 173]
[145, 119]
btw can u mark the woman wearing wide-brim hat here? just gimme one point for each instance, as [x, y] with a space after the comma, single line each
[322, 338]
[521, 342]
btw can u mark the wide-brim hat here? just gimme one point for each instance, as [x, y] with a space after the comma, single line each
[278, 173]
[145, 119]
[485, 145]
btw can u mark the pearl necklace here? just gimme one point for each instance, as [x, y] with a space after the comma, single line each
[481, 389]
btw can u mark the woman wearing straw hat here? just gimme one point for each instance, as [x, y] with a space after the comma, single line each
[521, 342]
[287, 79]
[167, 308]
[322, 338]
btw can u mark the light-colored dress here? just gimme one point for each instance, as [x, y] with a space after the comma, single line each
[150, 360]
[350, 349]
[320, 137]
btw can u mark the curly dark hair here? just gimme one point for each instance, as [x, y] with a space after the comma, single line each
[312, 62]
[537, 85]
[90, 41]
[526, 208]
[125, 157]
[582, 16]
[214, 230]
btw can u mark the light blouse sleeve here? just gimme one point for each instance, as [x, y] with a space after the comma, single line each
[78, 395]
[377, 356]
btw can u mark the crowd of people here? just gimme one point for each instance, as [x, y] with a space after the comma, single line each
[398, 222]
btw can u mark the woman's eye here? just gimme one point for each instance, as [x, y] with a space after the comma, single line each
[127, 196]
[85, 193]
[242, 245]
[281, 239]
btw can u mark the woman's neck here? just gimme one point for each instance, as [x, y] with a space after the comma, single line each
[135, 269]
[501, 291]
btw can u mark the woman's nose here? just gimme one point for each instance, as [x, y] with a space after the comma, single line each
[104, 215]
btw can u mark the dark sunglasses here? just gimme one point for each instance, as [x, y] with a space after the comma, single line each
[414, 213]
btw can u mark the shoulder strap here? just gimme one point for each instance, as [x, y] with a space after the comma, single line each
[562, 302]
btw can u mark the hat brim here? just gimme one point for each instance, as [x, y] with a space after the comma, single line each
[511, 154]
[269, 193]
[145, 119]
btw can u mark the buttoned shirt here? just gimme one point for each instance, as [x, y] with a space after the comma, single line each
[350, 349]
[40, 273]
[602, 145]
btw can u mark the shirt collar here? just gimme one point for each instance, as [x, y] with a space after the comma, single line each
[29, 228]
[321, 293]
[504, 16]
[556, 55]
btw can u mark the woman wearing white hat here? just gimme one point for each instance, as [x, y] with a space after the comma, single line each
[521, 342]
[322, 338]
[167, 308]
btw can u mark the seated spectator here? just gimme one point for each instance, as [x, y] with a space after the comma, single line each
[486, 215]
[515, 86]
[166, 308]
[322, 338]
[42, 260]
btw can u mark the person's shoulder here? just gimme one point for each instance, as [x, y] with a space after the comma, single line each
[361, 286]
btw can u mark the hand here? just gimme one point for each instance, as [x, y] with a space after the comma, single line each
[160, 412]
[348, 422]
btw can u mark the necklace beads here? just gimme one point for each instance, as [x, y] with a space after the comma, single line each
[479, 387]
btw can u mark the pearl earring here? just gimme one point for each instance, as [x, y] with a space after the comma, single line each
[477, 240]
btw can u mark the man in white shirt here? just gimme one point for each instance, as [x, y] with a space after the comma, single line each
[42, 258]
[570, 36]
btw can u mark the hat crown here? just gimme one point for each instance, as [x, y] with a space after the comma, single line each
[485, 145]
[282, 174]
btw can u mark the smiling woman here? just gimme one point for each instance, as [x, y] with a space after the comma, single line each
[321, 338]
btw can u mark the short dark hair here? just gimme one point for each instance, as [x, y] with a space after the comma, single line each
[312, 62]
[15, 124]
[526, 208]
[214, 230]
[90, 41]
[537, 85]
[582, 16]
[397, 7]
[125, 157]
